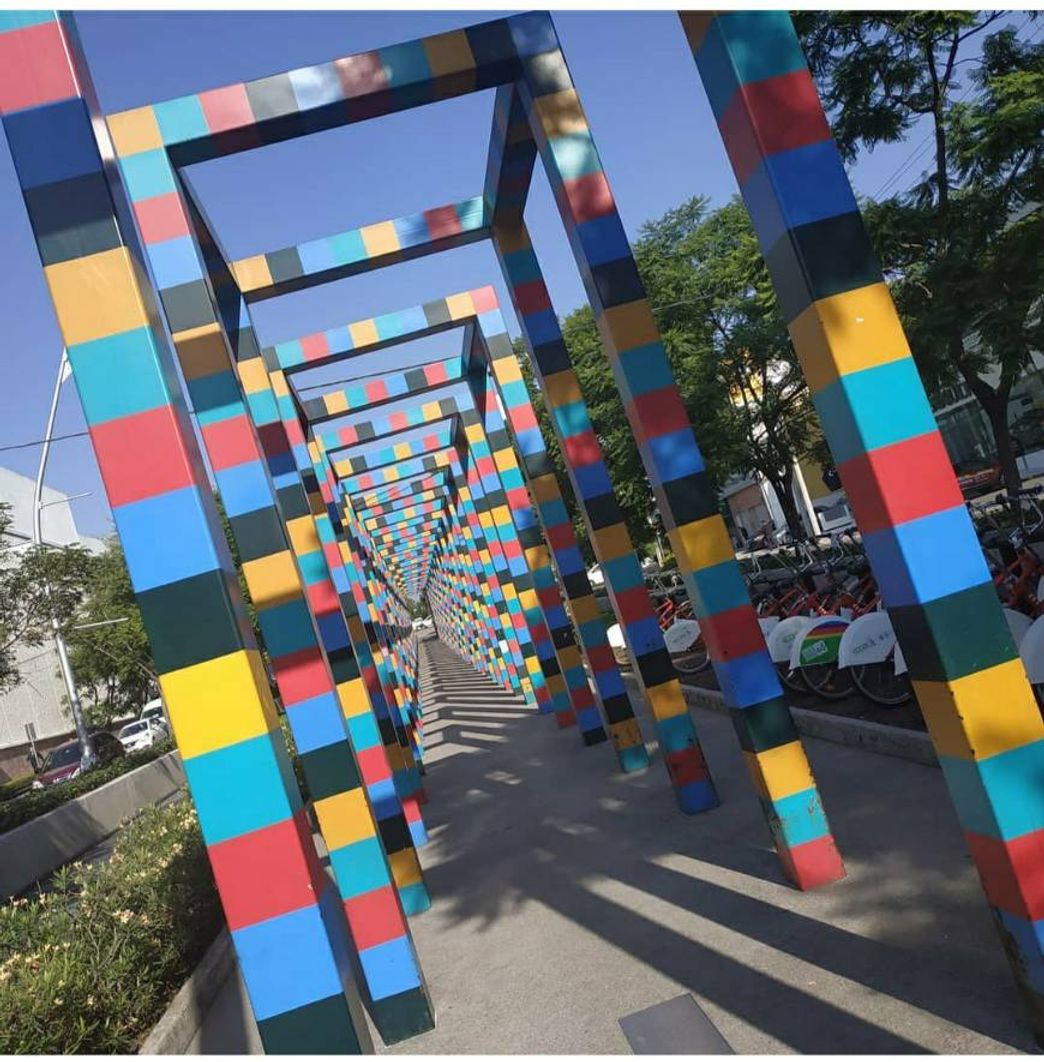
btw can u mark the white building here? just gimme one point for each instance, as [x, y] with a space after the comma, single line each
[38, 700]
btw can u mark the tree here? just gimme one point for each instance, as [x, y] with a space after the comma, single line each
[112, 663]
[35, 584]
[962, 248]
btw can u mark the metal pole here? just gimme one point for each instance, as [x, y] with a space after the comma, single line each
[87, 753]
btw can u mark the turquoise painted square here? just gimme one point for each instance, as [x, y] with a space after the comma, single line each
[289, 354]
[147, 174]
[575, 155]
[572, 418]
[405, 64]
[762, 44]
[219, 781]
[16, 20]
[348, 247]
[359, 867]
[119, 375]
[181, 119]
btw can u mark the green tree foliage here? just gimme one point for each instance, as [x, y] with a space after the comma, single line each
[963, 249]
[35, 584]
[112, 663]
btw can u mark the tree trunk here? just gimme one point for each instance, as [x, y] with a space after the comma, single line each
[997, 412]
[783, 489]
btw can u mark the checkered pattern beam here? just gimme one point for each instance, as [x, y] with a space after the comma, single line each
[918, 536]
[287, 926]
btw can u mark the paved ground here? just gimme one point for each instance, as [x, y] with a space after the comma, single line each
[567, 896]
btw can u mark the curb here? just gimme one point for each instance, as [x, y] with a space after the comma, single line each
[184, 1017]
[912, 745]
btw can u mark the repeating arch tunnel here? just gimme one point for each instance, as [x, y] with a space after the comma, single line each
[348, 506]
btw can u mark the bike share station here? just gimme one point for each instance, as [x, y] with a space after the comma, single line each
[349, 507]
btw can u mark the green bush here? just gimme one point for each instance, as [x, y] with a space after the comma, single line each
[15, 787]
[90, 966]
[40, 801]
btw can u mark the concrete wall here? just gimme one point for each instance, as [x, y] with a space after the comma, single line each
[37, 848]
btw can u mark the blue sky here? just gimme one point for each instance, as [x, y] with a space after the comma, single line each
[636, 78]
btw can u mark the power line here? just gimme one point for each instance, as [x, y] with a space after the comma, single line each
[40, 442]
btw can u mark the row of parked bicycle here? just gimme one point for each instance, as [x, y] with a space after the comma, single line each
[820, 608]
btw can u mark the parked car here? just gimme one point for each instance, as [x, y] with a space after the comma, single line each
[142, 734]
[63, 762]
[154, 710]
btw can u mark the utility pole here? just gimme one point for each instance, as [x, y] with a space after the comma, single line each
[88, 756]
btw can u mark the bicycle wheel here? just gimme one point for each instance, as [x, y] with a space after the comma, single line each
[794, 680]
[881, 684]
[693, 660]
[828, 680]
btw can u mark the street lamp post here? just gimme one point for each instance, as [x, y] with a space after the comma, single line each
[88, 755]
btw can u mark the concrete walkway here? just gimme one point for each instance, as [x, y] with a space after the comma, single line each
[567, 896]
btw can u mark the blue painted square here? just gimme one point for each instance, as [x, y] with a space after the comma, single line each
[174, 262]
[316, 256]
[147, 174]
[383, 798]
[245, 488]
[541, 327]
[592, 481]
[645, 636]
[218, 780]
[316, 722]
[603, 239]
[926, 559]
[748, 679]
[181, 119]
[694, 797]
[412, 230]
[810, 183]
[130, 357]
[609, 683]
[287, 962]
[166, 538]
[675, 455]
[1029, 939]
[316, 86]
[52, 143]
[533, 33]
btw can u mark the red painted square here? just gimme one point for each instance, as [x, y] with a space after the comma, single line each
[812, 864]
[375, 917]
[230, 442]
[634, 605]
[565, 718]
[601, 658]
[161, 218]
[315, 346]
[274, 442]
[436, 373]
[539, 633]
[431, 442]
[442, 222]
[361, 74]
[532, 297]
[740, 139]
[588, 197]
[34, 68]
[141, 456]
[484, 299]
[332, 554]
[522, 417]
[347, 436]
[262, 874]
[411, 806]
[733, 634]
[582, 449]
[226, 108]
[1012, 872]
[301, 675]
[373, 764]
[686, 766]
[398, 421]
[294, 432]
[661, 412]
[365, 482]
[376, 391]
[322, 597]
[901, 482]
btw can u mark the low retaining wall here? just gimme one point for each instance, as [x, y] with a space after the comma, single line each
[38, 847]
[183, 1019]
[913, 745]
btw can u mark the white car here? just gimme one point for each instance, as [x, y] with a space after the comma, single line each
[154, 711]
[141, 734]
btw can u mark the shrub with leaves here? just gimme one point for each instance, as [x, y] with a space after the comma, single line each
[39, 801]
[90, 966]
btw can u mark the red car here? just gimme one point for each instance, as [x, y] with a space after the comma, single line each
[63, 763]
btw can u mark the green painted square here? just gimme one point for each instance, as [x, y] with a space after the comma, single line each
[330, 770]
[403, 1016]
[321, 1028]
[764, 726]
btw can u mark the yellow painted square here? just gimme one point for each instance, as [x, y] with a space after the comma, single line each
[783, 770]
[474, 433]
[219, 702]
[336, 402]
[667, 699]
[537, 557]
[702, 543]
[380, 239]
[404, 866]
[134, 131]
[846, 333]
[402, 451]
[279, 385]
[460, 306]
[253, 375]
[628, 326]
[272, 580]
[202, 351]
[252, 273]
[625, 734]
[449, 53]
[345, 818]
[545, 488]
[611, 542]
[431, 411]
[363, 333]
[342, 468]
[96, 296]
[562, 388]
[511, 234]
[304, 538]
[560, 113]
[982, 714]
[585, 608]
